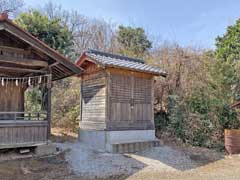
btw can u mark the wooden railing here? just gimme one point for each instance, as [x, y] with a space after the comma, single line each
[23, 116]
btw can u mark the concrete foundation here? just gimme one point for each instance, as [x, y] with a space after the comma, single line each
[44, 150]
[108, 140]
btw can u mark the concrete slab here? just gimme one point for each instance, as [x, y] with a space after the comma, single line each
[105, 140]
[45, 150]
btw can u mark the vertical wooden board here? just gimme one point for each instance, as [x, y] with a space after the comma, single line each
[45, 130]
[11, 98]
[1, 135]
[5, 135]
[28, 134]
[38, 133]
[118, 112]
[41, 134]
[126, 111]
[152, 102]
[150, 112]
[31, 135]
[14, 135]
[145, 112]
[94, 98]
[20, 135]
[21, 140]
[10, 134]
[113, 114]
[120, 88]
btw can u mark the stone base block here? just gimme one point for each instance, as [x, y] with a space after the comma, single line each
[119, 141]
[44, 150]
[133, 146]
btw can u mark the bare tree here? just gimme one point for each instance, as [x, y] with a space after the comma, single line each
[11, 6]
[181, 64]
[87, 32]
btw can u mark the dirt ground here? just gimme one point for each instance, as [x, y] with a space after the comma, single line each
[210, 165]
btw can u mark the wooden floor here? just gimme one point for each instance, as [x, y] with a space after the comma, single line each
[22, 133]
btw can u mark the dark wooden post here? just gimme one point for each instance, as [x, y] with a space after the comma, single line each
[49, 94]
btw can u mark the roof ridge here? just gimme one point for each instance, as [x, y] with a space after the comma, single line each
[126, 58]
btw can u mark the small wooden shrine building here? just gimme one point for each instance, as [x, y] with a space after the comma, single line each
[117, 101]
[26, 62]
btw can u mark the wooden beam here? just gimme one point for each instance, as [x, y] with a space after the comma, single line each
[23, 70]
[54, 64]
[23, 62]
[13, 49]
[27, 37]
[49, 103]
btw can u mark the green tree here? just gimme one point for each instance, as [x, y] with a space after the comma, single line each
[133, 41]
[55, 32]
[228, 46]
[52, 31]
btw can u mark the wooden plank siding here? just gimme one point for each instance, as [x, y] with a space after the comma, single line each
[22, 133]
[11, 99]
[115, 99]
[93, 92]
[27, 62]
[130, 101]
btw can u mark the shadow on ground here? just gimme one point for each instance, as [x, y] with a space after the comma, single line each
[87, 163]
[79, 162]
[167, 158]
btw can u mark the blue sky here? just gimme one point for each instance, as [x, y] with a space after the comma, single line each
[188, 22]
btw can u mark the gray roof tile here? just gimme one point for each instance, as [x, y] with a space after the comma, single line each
[107, 59]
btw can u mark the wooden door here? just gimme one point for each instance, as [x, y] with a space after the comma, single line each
[11, 99]
[130, 102]
[142, 100]
[120, 88]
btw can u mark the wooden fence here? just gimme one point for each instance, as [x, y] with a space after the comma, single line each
[23, 129]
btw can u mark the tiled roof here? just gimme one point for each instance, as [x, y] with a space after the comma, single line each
[113, 60]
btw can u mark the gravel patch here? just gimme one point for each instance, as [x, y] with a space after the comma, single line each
[94, 164]
[165, 158]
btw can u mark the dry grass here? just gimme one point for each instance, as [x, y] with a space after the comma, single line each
[61, 135]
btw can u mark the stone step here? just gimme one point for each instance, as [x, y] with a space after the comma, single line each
[132, 147]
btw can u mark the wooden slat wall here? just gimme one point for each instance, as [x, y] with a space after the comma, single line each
[22, 134]
[11, 98]
[130, 102]
[142, 99]
[120, 88]
[93, 91]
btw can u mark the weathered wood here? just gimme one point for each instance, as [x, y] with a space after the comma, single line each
[21, 116]
[130, 102]
[49, 106]
[129, 73]
[23, 57]
[23, 70]
[125, 125]
[14, 49]
[125, 102]
[93, 101]
[26, 37]
[16, 134]
[11, 99]
[22, 62]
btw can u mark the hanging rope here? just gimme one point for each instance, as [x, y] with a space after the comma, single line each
[31, 81]
[34, 87]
